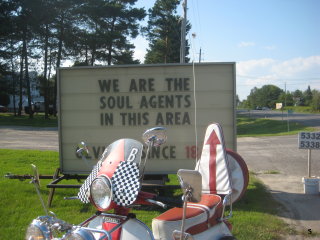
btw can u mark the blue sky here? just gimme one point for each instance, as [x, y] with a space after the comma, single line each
[272, 41]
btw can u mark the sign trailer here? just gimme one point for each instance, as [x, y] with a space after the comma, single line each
[99, 105]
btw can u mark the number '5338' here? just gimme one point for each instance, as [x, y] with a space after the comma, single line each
[309, 140]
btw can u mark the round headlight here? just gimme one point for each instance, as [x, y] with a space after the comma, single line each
[79, 234]
[37, 230]
[101, 192]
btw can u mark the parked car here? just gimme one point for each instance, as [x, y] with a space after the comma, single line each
[3, 108]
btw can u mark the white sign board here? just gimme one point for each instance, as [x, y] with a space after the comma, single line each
[99, 105]
[278, 105]
[309, 140]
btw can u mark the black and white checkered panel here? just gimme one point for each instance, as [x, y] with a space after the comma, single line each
[83, 193]
[126, 183]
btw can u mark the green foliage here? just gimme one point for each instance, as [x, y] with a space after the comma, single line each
[267, 96]
[45, 32]
[307, 96]
[163, 33]
[315, 102]
[286, 99]
[104, 29]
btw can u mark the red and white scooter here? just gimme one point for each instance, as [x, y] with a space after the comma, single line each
[219, 179]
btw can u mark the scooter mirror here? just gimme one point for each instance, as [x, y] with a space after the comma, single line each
[83, 150]
[191, 180]
[155, 136]
[35, 176]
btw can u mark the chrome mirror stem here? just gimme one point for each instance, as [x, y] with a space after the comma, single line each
[33, 181]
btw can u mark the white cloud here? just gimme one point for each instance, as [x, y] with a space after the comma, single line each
[295, 73]
[296, 66]
[251, 66]
[246, 44]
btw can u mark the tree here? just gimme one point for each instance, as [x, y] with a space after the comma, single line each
[105, 28]
[298, 98]
[286, 98]
[315, 103]
[40, 34]
[307, 95]
[163, 32]
[266, 96]
[237, 100]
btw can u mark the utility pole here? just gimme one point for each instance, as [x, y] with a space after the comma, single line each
[183, 33]
[285, 94]
[200, 56]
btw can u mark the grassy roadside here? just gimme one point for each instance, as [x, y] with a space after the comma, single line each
[254, 215]
[8, 119]
[252, 127]
[301, 109]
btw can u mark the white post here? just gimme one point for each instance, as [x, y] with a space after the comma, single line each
[309, 162]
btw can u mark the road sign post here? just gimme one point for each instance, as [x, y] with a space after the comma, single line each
[310, 141]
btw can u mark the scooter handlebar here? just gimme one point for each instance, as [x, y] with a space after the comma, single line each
[160, 204]
[146, 198]
[173, 202]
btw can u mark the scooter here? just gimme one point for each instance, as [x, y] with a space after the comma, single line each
[219, 179]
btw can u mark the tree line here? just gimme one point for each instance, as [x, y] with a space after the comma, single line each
[269, 95]
[38, 35]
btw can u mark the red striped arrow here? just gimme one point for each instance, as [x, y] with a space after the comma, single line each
[213, 141]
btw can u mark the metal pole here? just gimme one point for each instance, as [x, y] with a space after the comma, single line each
[309, 163]
[288, 120]
[183, 33]
[285, 94]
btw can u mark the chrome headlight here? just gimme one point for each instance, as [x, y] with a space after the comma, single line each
[79, 234]
[38, 230]
[101, 192]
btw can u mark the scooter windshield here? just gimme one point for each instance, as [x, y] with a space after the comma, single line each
[120, 162]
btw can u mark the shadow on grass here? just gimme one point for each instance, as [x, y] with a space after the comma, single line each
[38, 120]
[257, 199]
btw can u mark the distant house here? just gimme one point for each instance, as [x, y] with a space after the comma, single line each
[35, 93]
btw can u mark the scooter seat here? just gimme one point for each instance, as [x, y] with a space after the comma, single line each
[199, 217]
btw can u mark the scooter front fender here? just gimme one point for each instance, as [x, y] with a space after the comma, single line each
[216, 232]
[133, 229]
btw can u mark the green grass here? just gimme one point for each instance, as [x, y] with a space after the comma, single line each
[302, 109]
[250, 127]
[38, 120]
[254, 215]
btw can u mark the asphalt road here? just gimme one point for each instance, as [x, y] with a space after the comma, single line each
[13, 137]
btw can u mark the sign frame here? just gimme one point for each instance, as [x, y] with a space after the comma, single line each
[217, 72]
